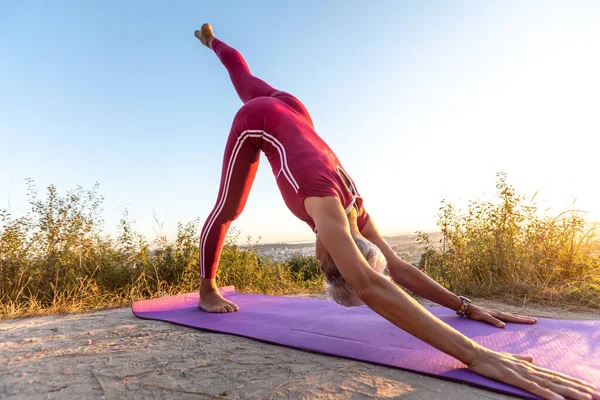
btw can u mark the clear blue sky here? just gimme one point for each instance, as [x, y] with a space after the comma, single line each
[420, 100]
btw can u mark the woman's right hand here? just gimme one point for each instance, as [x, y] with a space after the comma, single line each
[518, 370]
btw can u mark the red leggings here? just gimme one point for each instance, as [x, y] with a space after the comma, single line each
[241, 158]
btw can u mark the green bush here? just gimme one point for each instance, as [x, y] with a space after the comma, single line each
[305, 268]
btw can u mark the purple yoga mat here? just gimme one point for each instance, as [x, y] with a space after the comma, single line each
[322, 326]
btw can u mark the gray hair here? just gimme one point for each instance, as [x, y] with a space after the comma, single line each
[336, 286]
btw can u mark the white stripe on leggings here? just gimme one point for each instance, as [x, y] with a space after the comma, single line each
[230, 165]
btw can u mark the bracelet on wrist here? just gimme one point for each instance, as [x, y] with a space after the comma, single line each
[464, 306]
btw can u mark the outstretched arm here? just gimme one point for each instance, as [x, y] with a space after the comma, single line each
[378, 293]
[422, 285]
[409, 276]
[393, 304]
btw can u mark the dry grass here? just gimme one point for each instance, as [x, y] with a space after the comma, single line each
[504, 248]
[55, 259]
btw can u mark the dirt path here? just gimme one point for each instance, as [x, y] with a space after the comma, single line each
[113, 355]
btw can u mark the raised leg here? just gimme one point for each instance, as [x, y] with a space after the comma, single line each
[246, 85]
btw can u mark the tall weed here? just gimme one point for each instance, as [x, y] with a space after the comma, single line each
[506, 248]
[55, 258]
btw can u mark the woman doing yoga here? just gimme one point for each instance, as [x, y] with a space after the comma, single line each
[353, 255]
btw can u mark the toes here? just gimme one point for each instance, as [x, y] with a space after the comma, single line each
[231, 307]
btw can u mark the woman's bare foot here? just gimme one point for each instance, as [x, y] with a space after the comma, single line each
[213, 302]
[205, 35]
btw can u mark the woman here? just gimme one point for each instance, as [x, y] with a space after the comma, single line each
[317, 189]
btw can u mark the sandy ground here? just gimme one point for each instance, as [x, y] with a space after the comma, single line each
[112, 354]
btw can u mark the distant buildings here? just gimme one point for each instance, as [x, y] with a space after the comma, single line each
[284, 253]
[406, 247]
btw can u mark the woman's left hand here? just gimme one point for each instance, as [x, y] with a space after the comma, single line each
[496, 317]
